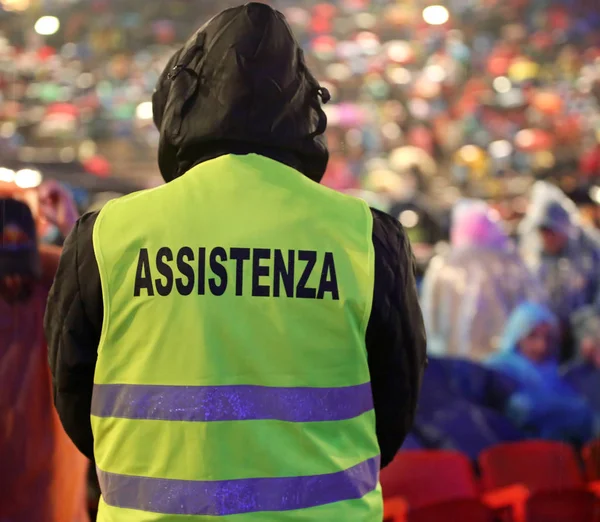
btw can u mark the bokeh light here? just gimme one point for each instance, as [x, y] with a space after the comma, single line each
[15, 5]
[409, 218]
[28, 178]
[500, 149]
[502, 84]
[7, 175]
[144, 111]
[47, 25]
[436, 15]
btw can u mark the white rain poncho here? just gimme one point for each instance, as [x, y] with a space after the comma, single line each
[469, 292]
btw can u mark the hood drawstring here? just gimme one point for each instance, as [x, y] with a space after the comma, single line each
[187, 58]
[324, 94]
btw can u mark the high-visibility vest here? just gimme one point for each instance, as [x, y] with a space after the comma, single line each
[232, 377]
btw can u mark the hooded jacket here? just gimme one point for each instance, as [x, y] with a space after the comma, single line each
[544, 404]
[239, 86]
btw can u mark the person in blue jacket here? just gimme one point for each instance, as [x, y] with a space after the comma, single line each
[544, 405]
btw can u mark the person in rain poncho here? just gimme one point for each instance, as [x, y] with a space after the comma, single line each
[564, 255]
[544, 405]
[469, 293]
[584, 373]
[42, 475]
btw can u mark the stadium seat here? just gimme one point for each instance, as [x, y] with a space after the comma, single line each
[425, 477]
[452, 511]
[417, 481]
[538, 465]
[591, 459]
[548, 473]
[566, 506]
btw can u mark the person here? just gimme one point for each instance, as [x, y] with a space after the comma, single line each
[461, 407]
[469, 291]
[244, 339]
[58, 212]
[583, 374]
[544, 404]
[564, 255]
[42, 475]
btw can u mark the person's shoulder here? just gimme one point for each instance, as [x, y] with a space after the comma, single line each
[394, 257]
[332, 202]
[388, 231]
[83, 229]
[139, 196]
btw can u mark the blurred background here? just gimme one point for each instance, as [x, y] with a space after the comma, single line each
[431, 104]
[472, 97]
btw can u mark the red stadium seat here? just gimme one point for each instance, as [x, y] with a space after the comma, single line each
[452, 511]
[424, 477]
[591, 458]
[567, 506]
[417, 481]
[547, 472]
[538, 465]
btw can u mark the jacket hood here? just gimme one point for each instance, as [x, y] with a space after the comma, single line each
[524, 319]
[549, 207]
[240, 84]
[18, 240]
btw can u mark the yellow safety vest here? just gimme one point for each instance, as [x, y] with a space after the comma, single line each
[232, 379]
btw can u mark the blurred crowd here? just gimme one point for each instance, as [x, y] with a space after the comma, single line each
[494, 100]
[513, 328]
[475, 93]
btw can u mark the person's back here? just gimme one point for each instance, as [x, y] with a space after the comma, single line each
[255, 338]
[279, 295]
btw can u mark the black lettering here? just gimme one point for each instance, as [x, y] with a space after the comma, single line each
[201, 271]
[184, 256]
[240, 255]
[258, 254]
[164, 256]
[218, 256]
[143, 277]
[284, 274]
[302, 291]
[328, 282]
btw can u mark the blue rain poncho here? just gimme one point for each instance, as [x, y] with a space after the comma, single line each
[571, 279]
[544, 405]
[461, 407]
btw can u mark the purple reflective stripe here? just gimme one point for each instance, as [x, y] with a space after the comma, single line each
[230, 403]
[231, 497]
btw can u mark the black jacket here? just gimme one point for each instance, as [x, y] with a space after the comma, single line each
[395, 335]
